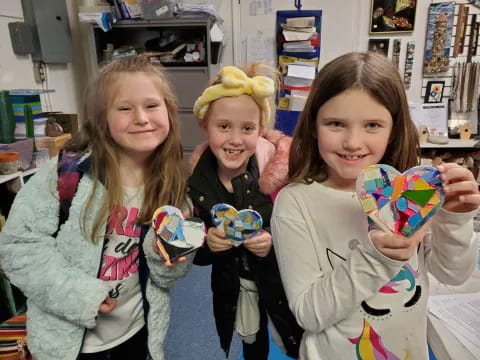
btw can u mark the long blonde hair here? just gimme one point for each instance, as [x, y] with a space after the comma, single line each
[366, 71]
[164, 177]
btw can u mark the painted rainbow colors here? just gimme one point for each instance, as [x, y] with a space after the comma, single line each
[400, 203]
[369, 345]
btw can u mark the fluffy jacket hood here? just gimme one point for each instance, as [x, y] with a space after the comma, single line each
[272, 153]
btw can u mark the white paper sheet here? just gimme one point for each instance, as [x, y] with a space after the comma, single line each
[301, 71]
[260, 7]
[433, 116]
[461, 315]
[260, 48]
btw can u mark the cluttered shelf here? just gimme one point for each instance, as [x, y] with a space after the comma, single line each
[174, 22]
[171, 42]
[465, 152]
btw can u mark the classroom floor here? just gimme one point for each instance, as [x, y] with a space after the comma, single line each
[192, 333]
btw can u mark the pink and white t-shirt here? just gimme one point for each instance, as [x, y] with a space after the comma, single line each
[119, 269]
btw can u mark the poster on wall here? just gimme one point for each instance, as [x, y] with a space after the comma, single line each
[392, 16]
[439, 37]
[379, 46]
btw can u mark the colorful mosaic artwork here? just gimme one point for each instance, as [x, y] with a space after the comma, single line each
[238, 225]
[176, 235]
[400, 203]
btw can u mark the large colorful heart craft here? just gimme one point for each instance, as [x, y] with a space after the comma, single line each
[238, 225]
[175, 235]
[400, 203]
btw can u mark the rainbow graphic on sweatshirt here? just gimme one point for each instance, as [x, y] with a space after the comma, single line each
[369, 346]
[406, 273]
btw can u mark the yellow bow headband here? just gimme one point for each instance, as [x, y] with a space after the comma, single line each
[234, 82]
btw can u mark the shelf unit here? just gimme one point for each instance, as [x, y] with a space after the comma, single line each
[188, 79]
[456, 150]
[12, 295]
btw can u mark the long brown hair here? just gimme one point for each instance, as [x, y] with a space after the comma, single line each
[164, 177]
[366, 71]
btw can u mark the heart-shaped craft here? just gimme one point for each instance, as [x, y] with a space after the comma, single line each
[238, 225]
[400, 203]
[175, 235]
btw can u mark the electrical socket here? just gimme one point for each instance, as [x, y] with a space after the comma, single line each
[42, 72]
[38, 72]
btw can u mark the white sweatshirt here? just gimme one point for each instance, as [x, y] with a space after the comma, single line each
[354, 302]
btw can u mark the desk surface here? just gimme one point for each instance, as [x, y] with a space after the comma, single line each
[454, 143]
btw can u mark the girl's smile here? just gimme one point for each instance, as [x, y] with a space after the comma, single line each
[351, 157]
[143, 132]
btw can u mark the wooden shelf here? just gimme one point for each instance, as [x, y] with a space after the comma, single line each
[5, 178]
[454, 144]
[29, 172]
[18, 174]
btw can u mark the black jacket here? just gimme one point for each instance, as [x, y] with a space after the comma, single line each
[206, 190]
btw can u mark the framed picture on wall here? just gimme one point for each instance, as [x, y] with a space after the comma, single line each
[388, 16]
[439, 37]
[379, 46]
[434, 91]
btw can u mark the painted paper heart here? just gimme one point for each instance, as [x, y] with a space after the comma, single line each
[175, 235]
[238, 225]
[400, 203]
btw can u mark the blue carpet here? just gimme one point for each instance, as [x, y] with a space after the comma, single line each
[192, 333]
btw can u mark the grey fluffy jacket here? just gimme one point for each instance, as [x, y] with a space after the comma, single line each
[59, 275]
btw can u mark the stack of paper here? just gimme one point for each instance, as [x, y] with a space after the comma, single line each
[298, 50]
[298, 46]
[298, 98]
[301, 21]
[194, 10]
[299, 75]
[299, 29]
[460, 313]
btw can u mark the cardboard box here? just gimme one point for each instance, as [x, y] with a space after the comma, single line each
[53, 144]
[69, 122]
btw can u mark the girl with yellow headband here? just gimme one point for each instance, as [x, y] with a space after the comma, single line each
[242, 164]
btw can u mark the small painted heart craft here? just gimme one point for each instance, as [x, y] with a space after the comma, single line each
[175, 235]
[238, 225]
[400, 203]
